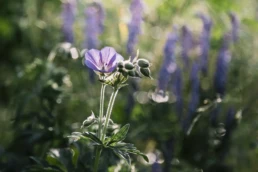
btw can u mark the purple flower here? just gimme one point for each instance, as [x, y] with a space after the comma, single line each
[68, 16]
[94, 24]
[103, 61]
[169, 65]
[205, 42]
[178, 88]
[186, 44]
[235, 26]
[134, 27]
[195, 95]
[223, 60]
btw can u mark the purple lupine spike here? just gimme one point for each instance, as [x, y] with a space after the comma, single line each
[178, 86]
[205, 42]
[230, 118]
[169, 65]
[223, 60]
[235, 23]
[187, 43]
[94, 24]
[156, 167]
[94, 27]
[68, 15]
[195, 95]
[134, 27]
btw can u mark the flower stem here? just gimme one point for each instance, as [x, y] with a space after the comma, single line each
[108, 114]
[101, 109]
[96, 163]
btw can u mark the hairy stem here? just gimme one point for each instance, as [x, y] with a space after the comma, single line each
[101, 109]
[109, 111]
[96, 163]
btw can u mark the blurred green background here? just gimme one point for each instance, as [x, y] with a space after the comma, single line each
[42, 101]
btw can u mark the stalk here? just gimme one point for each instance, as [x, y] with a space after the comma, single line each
[96, 163]
[109, 111]
[101, 109]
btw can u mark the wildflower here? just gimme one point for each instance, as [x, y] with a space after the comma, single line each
[205, 42]
[186, 44]
[169, 66]
[223, 60]
[135, 25]
[235, 26]
[104, 61]
[195, 94]
[68, 16]
[178, 92]
[94, 24]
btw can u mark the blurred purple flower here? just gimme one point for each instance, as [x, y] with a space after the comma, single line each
[230, 119]
[205, 42]
[94, 24]
[195, 95]
[178, 86]
[169, 65]
[95, 15]
[223, 60]
[103, 61]
[235, 26]
[134, 27]
[68, 15]
[186, 44]
[156, 167]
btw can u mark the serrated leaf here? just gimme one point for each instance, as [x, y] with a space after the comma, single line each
[92, 137]
[120, 135]
[75, 155]
[123, 155]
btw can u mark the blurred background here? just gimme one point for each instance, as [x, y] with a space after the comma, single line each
[198, 113]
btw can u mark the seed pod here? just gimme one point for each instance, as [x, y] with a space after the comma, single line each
[146, 72]
[120, 65]
[132, 73]
[123, 71]
[129, 66]
[143, 63]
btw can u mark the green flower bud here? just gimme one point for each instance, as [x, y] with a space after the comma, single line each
[132, 73]
[143, 63]
[89, 121]
[129, 66]
[120, 65]
[146, 72]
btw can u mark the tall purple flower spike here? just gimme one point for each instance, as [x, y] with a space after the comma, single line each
[178, 91]
[104, 61]
[235, 23]
[68, 16]
[169, 66]
[187, 44]
[223, 60]
[205, 42]
[95, 15]
[134, 27]
[195, 95]
[94, 24]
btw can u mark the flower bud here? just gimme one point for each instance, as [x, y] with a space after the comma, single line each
[120, 65]
[143, 63]
[132, 73]
[89, 121]
[146, 72]
[129, 66]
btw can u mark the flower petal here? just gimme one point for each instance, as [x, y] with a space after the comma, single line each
[93, 56]
[107, 53]
[91, 65]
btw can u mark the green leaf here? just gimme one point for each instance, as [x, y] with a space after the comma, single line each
[92, 137]
[120, 135]
[75, 155]
[123, 155]
[53, 160]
